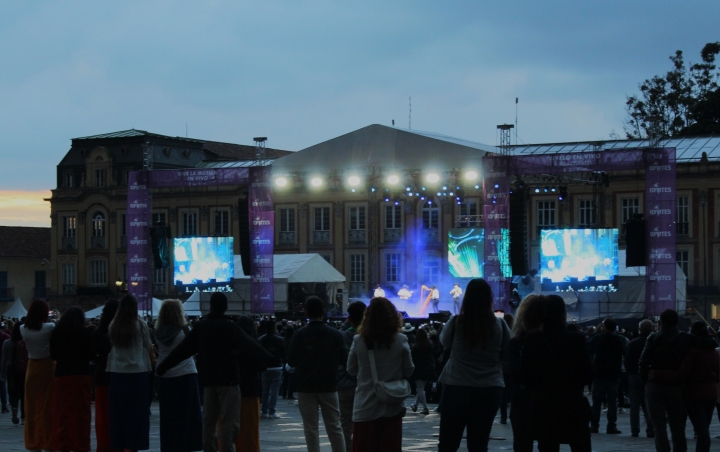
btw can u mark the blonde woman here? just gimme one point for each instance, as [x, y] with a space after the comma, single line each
[180, 414]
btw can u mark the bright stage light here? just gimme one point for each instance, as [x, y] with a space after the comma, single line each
[354, 181]
[316, 181]
[477, 186]
[471, 175]
[281, 182]
[432, 178]
[394, 179]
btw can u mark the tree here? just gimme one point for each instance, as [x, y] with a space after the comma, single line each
[685, 101]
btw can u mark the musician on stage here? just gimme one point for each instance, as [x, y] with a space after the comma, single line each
[456, 293]
[435, 298]
[404, 293]
[379, 292]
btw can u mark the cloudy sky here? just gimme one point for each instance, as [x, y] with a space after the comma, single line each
[302, 72]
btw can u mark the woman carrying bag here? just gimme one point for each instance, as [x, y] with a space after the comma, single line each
[380, 358]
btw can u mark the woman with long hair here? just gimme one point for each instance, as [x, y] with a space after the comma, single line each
[13, 369]
[39, 377]
[378, 425]
[178, 390]
[129, 364]
[102, 346]
[472, 378]
[71, 349]
[424, 360]
[700, 389]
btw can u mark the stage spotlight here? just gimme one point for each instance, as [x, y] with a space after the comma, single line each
[537, 190]
[432, 178]
[394, 179]
[444, 187]
[354, 181]
[545, 189]
[352, 190]
[444, 193]
[410, 194]
[423, 189]
[471, 175]
[439, 194]
[451, 193]
[408, 188]
[422, 198]
[417, 194]
[497, 185]
[373, 189]
[387, 199]
[397, 203]
[281, 182]
[563, 193]
[477, 186]
[316, 181]
[552, 189]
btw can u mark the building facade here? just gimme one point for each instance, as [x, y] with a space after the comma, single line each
[25, 267]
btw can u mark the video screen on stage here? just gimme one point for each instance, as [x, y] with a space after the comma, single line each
[466, 252]
[579, 259]
[203, 262]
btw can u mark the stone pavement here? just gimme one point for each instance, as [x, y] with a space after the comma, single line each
[419, 433]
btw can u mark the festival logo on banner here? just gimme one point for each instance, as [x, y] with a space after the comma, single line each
[496, 218]
[262, 241]
[138, 217]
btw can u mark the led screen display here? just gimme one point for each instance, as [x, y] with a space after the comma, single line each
[466, 252]
[203, 261]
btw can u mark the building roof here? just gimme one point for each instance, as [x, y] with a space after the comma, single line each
[686, 149]
[21, 241]
[387, 147]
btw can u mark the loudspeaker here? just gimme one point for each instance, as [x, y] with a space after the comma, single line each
[159, 236]
[518, 232]
[635, 243]
[244, 233]
[442, 316]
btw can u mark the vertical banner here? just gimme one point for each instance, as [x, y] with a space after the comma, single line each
[139, 262]
[262, 240]
[660, 204]
[496, 210]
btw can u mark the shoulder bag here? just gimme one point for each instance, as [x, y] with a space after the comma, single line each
[389, 392]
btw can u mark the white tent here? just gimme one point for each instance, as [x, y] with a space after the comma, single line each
[156, 303]
[192, 305]
[297, 268]
[16, 310]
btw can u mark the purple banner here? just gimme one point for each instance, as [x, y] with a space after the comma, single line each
[578, 162]
[496, 189]
[660, 204]
[191, 177]
[262, 240]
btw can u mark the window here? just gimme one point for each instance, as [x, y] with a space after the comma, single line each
[68, 272]
[357, 218]
[68, 180]
[630, 206]
[99, 178]
[159, 276]
[588, 213]
[357, 268]
[98, 272]
[683, 260]
[287, 220]
[393, 217]
[545, 215]
[69, 226]
[322, 219]
[682, 216]
[98, 224]
[469, 216]
[430, 271]
[430, 215]
[222, 223]
[189, 223]
[393, 267]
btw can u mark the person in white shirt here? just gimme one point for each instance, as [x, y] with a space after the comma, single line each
[435, 298]
[404, 293]
[379, 292]
[456, 293]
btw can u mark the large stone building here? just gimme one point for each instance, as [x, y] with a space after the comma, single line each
[88, 206]
[25, 270]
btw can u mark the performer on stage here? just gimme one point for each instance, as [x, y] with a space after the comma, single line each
[379, 292]
[404, 293]
[456, 293]
[435, 298]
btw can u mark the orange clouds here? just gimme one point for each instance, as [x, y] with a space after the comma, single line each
[24, 208]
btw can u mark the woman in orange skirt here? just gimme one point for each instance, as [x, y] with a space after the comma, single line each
[39, 377]
[71, 348]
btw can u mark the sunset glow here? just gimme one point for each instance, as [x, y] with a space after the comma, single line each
[24, 208]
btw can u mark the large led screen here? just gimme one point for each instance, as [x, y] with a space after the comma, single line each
[466, 252]
[579, 259]
[202, 262]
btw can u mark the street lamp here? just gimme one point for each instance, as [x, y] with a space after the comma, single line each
[118, 285]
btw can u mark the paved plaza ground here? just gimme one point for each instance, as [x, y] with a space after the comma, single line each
[419, 433]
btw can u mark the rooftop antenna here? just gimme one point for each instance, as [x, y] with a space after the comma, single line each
[410, 114]
[516, 125]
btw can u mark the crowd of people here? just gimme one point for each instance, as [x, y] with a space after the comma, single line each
[217, 376]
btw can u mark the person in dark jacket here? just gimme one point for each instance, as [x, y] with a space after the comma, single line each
[101, 347]
[275, 345]
[424, 360]
[317, 352]
[554, 368]
[700, 390]
[661, 371]
[218, 343]
[346, 382]
[607, 350]
[637, 388]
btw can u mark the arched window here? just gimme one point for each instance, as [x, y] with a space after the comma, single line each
[98, 224]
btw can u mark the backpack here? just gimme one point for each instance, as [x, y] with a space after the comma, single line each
[20, 357]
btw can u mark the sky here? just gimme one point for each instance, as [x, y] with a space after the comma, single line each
[303, 72]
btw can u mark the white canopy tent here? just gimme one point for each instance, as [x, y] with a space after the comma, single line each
[156, 303]
[192, 305]
[16, 310]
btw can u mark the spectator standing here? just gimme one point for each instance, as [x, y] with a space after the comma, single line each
[510, 321]
[39, 377]
[316, 352]
[348, 383]
[700, 389]
[607, 349]
[13, 369]
[71, 349]
[424, 361]
[4, 336]
[378, 425]
[472, 378]
[178, 391]
[637, 388]
[102, 346]
[275, 345]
